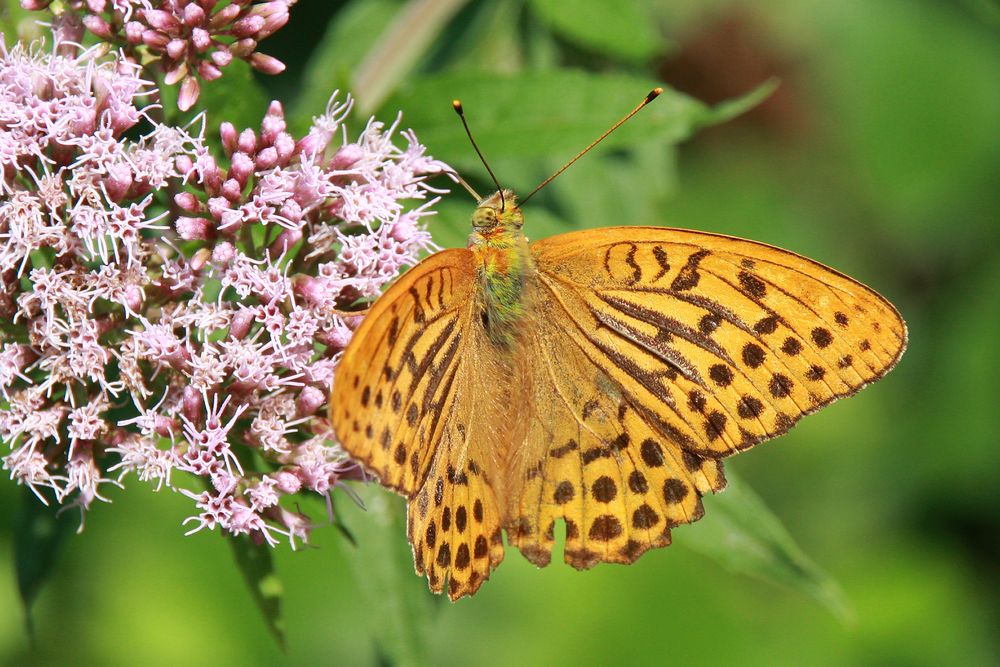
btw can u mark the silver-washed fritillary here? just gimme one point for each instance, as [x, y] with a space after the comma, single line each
[598, 377]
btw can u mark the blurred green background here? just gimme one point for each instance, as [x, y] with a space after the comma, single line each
[878, 154]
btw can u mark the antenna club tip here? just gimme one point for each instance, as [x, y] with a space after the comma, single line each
[654, 93]
[457, 105]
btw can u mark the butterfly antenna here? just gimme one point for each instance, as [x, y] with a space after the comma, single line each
[653, 94]
[461, 114]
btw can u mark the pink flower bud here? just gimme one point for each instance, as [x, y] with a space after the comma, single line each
[133, 32]
[232, 190]
[134, 296]
[175, 74]
[248, 26]
[275, 109]
[346, 156]
[247, 141]
[273, 123]
[164, 426]
[231, 221]
[98, 26]
[186, 201]
[287, 482]
[201, 39]
[241, 167]
[284, 144]
[176, 48]
[337, 338]
[224, 16]
[193, 15]
[193, 229]
[207, 71]
[190, 90]
[184, 164]
[266, 158]
[191, 405]
[241, 323]
[218, 206]
[266, 64]
[223, 253]
[310, 289]
[35, 5]
[161, 20]
[155, 40]
[291, 211]
[243, 48]
[227, 131]
[118, 181]
[276, 19]
[221, 57]
[309, 401]
[403, 229]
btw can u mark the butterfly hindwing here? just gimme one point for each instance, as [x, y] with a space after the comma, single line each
[597, 464]
[454, 522]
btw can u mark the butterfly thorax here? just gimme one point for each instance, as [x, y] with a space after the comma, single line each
[502, 262]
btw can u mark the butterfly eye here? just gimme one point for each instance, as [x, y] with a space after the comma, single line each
[484, 217]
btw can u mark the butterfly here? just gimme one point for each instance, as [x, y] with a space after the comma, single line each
[596, 377]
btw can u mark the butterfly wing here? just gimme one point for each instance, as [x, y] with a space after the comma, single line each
[401, 404]
[665, 350]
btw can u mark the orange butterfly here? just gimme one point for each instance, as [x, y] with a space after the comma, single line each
[598, 377]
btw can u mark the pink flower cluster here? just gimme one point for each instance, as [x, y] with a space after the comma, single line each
[177, 315]
[192, 39]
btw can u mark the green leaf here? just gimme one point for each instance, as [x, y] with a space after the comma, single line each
[486, 38]
[621, 29]
[395, 606]
[744, 536]
[39, 532]
[257, 567]
[550, 113]
[627, 187]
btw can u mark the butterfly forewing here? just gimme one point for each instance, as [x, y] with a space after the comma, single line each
[735, 339]
[392, 387]
[401, 405]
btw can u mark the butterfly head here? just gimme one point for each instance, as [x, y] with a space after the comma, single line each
[498, 213]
